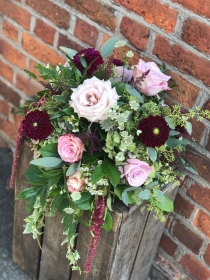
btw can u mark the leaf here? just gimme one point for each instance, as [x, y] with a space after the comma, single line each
[120, 88]
[32, 75]
[79, 219]
[54, 180]
[57, 201]
[26, 193]
[30, 204]
[84, 203]
[69, 111]
[170, 122]
[112, 172]
[97, 174]
[43, 196]
[72, 168]
[83, 61]
[160, 196]
[87, 157]
[172, 142]
[134, 92]
[108, 222]
[72, 229]
[145, 194]
[192, 166]
[125, 197]
[108, 47]
[50, 150]
[192, 170]
[57, 115]
[189, 127]
[60, 98]
[71, 53]
[174, 132]
[152, 154]
[47, 162]
[67, 221]
[32, 173]
[167, 206]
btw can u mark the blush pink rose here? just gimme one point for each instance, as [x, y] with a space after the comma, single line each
[154, 82]
[122, 74]
[93, 99]
[135, 171]
[70, 148]
[74, 182]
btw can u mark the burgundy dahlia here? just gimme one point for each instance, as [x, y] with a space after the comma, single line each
[118, 62]
[155, 131]
[92, 57]
[36, 125]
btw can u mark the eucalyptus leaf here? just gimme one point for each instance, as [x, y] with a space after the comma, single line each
[108, 47]
[125, 197]
[47, 162]
[152, 154]
[72, 168]
[144, 195]
[189, 127]
[134, 92]
[170, 122]
[71, 53]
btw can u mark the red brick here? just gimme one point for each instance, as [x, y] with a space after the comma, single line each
[10, 31]
[194, 267]
[57, 15]
[186, 61]
[9, 94]
[168, 245]
[96, 11]
[64, 41]
[202, 222]
[197, 34]
[13, 11]
[198, 129]
[44, 31]
[9, 129]
[200, 194]
[12, 54]
[135, 32]
[26, 84]
[166, 268]
[201, 163]
[207, 255]
[6, 71]
[197, 6]
[153, 12]
[3, 144]
[187, 237]
[4, 108]
[183, 206]
[86, 32]
[185, 92]
[40, 50]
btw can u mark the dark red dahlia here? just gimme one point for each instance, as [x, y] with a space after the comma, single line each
[92, 57]
[183, 131]
[118, 62]
[36, 125]
[155, 131]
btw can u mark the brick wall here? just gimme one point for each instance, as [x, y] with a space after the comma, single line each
[174, 31]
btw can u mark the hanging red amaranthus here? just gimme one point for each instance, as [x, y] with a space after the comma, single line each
[98, 221]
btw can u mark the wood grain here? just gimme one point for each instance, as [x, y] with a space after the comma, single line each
[26, 251]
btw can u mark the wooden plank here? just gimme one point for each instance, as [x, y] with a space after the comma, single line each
[148, 245]
[25, 249]
[54, 264]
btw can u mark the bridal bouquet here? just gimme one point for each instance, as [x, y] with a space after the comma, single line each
[100, 132]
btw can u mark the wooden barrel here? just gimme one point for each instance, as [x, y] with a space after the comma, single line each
[125, 253]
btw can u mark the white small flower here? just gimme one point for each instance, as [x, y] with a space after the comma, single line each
[76, 196]
[134, 105]
[124, 134]
[138, 132]
[129, 54]
[69, 210]
[119, 44]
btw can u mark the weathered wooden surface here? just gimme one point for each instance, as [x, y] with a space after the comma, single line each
[54, 264]
[125, 253]
[25, 249]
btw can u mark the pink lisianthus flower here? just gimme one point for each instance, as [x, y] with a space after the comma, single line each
[70, 148]
[154, 82]
[92, 99]
[74, 182]
[135, 171]
[122, 74]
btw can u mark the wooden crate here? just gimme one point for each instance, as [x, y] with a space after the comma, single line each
[125, 253]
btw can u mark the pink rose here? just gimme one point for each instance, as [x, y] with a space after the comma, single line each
[70, 148]
[74, 182]
[135, 171]
[93, 99]
[122, 74]
[154, 82]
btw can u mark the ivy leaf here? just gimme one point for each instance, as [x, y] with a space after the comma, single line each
[108, 222]
[67, 221]
[112, 172]
[152, 154]
[108, 47]
[97, 174]
[43, 196]
[47, 162]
